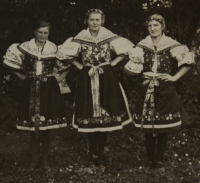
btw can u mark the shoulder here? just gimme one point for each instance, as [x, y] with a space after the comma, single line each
[51, 46]
[81, 34]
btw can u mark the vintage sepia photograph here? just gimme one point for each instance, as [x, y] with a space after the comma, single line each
[100, 91]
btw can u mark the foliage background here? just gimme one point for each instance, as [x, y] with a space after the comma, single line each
[124, 17]
[126, 148]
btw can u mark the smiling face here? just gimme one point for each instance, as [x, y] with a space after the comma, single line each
[41, 34]
[155, 29]
[94, 21]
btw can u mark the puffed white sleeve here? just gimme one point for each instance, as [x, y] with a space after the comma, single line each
[183, 55]
[68, 50]
[121, 46]
[13, 58]
[135, 65]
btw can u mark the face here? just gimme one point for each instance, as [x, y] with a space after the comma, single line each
[155, 29]
[42, 34]
[94, 21]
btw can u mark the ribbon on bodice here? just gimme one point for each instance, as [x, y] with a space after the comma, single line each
[156, 61]
[94, 73]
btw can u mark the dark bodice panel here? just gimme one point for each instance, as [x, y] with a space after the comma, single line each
[30, 62]
[166, 63]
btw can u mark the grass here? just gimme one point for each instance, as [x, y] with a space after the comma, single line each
[125, 151]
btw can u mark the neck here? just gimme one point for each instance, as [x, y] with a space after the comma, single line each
[156, 39]
[94, 33]
[39, 44]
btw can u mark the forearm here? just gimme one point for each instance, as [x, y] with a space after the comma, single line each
[77, 64]
[181, 73]
[117, 60]
[19, 75]
[61, 76]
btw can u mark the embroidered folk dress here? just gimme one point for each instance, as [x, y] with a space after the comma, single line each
[100, 103]
[40, 106]
[158, 107]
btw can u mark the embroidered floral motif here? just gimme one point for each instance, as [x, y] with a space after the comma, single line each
[106, 118]
[31, 48]
[12, 56]
[96, 54]
[13, 63]
[157, 117]
[105, 35]
[42, 122]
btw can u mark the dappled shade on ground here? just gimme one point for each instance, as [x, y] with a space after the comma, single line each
[125, 152]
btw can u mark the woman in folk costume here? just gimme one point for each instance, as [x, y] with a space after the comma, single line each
[100, 104]
[158, 109]
[40, 108]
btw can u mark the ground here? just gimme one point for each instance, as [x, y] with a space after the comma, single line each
[125, 152]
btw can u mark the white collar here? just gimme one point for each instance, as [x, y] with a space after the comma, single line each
[164, 43]
[103, 34]
[30, 47]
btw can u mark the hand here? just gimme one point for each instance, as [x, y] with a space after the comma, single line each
[113, 63]
[58, 78]
[167, 77]
[77, 64]
[68, 57]
[22, 76]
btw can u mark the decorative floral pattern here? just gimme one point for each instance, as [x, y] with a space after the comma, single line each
[104, 119]
[30, 47]
[42, 122]
[156, 117]
[95, 54]
[28, 58]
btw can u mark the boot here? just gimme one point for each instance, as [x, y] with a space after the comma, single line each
[92, 142]
[34, 151]
[45, 139]
[150, 143]
[161, 145]
[102, 139]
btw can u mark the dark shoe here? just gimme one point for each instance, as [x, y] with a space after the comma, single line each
[101, 168]
[160, 167]
[149, 167]
[91, 169]
[94, 160]
[103, 160]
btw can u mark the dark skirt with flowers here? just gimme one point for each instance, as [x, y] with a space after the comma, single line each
[169, 113]
[41, 106]
[114, 107]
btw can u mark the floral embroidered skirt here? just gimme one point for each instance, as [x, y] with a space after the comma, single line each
[41, 106]
[113, 107]
[168, 113]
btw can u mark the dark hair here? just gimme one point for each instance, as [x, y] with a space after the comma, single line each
[41, 24]
[94, 10]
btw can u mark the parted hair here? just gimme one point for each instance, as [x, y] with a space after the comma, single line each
[94, 10]
[157, 18]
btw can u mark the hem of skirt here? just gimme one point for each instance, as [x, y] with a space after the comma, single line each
[158, 126]
[102, 129]
[107, 129]
[41, 128]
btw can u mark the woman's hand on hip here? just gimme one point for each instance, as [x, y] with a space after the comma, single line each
[167, 77]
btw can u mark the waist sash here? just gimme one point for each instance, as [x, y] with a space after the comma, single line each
[94, 73]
